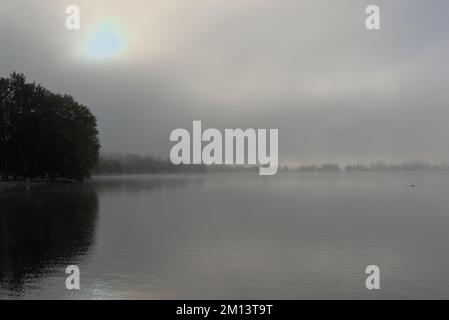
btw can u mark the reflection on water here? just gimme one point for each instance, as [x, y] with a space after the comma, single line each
[42, 229]
[229, 236]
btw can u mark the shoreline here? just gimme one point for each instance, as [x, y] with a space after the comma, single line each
[21, 184]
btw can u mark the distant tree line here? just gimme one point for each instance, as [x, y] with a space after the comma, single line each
[44, 135]
[376, 166]
[130, 163]
[327, 167]
[117, 163]
[408, 166]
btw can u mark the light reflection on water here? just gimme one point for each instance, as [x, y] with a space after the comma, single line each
[228, 236]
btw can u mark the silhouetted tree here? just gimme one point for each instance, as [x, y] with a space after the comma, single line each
[44, 135]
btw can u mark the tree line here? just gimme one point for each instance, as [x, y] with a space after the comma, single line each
[376, 166]
[131, 163]
[44, 135]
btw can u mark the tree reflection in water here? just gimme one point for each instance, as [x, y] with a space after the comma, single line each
[44, 228]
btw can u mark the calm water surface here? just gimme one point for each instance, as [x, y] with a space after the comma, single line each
[232, 236]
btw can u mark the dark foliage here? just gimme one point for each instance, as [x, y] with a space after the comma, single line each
[44, 135]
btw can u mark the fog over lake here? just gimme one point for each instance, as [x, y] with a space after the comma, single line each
[357, 122]
[237, 236]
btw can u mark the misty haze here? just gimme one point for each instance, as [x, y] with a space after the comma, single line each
[362, 160]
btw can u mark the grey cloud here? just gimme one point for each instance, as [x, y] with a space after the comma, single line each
[336, 91]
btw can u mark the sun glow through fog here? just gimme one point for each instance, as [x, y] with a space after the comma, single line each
[106, 41]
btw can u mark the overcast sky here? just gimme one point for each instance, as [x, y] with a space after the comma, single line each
[336, 91]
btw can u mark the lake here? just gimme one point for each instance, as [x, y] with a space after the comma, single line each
[229, 236]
